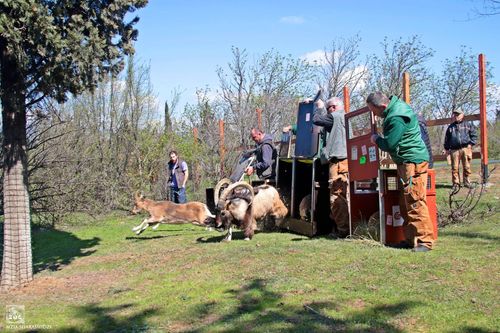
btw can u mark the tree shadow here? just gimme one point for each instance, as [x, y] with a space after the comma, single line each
[104, 319]
[54, 249]
[261, 309]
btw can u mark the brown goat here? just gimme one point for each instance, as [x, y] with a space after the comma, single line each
[169, 212]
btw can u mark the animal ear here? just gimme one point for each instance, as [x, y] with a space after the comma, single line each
[138, 195]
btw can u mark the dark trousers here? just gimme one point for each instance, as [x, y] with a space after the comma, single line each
[178, 195]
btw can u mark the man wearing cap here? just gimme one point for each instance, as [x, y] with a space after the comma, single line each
[403, 141]
[460, 137]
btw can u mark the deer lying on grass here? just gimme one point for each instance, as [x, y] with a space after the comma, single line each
[169, 212]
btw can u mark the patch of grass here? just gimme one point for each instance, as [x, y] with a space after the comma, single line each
[101, 277]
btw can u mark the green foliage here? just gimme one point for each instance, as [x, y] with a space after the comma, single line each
[65, 46]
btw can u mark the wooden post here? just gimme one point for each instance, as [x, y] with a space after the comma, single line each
[483, 119]
[222, 150]
[259, 118]
[406, 87]
[347, 100]
[196, 174]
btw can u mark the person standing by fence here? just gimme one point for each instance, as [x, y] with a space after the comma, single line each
[178, 171]
[460, 137]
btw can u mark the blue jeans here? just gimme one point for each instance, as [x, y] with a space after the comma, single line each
[178, 195]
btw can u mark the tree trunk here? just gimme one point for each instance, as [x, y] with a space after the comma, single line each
[17, 267]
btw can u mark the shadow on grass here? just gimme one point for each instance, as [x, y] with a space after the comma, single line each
[144, 238]
[441, 185]
[261, 309]
[474, 330]
[237, 235]
[470, 235]
[105, 319]
[53, 249]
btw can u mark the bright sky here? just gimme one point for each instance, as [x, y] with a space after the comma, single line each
[185, 40]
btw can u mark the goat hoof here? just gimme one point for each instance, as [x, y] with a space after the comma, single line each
[247, 238]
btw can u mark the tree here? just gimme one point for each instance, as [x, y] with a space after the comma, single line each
[273, 83]
[341, 67]
[386, 72]
[47, 50]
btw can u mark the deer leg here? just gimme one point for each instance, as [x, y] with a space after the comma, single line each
[156, 226]
[134, 229]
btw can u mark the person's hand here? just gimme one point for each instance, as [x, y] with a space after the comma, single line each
[249, 171]
[319, 104]
[287, 128]
[373, 138]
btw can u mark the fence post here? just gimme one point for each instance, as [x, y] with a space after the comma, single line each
[347, 100]
[259, 118]
[222, 149]
[483, 118]
[406, 87]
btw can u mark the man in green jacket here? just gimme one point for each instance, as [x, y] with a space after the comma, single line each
[402, 140]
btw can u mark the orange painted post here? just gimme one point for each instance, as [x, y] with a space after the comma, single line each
[484, 120]
[195, 135]
[347, 101]
[406, 87]
[222, 149]
[196, 175]
[259, 118]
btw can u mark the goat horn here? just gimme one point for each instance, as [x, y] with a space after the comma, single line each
[222, 184]
[231, 187]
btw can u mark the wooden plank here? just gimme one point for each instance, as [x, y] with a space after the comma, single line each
[447, 121]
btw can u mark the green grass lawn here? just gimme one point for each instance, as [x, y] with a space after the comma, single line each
[101, 277]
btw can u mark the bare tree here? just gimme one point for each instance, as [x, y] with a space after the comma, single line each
[273, 83]
[488, 8]
[342, 67]
[398, 57]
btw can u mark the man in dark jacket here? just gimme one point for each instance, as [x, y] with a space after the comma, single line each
[403, 141]
[265, 165]
[460, 137]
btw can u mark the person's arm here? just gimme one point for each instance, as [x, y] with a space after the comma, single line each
[292, 128]
[186, 174]
[393, 133]
[472, 135]
[267, 158]
[447, 140]
[322, 118]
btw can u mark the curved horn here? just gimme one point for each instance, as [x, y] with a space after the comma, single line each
[231, 187]
[221, 185]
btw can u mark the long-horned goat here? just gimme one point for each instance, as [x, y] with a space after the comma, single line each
[242, 205]
[169, 212]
